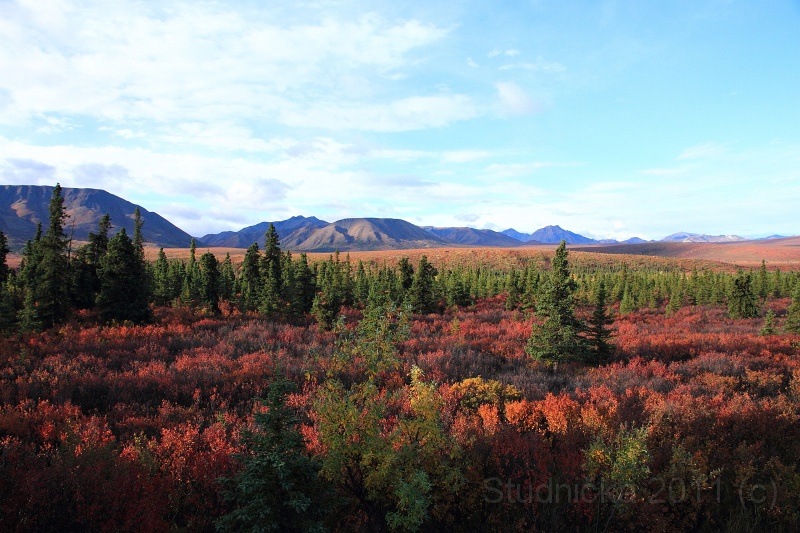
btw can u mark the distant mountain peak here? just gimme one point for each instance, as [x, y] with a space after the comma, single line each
[22, 206]
[684, 236]
[556, 234]
[255, 233]
[473, 237]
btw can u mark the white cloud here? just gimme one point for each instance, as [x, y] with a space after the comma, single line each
[514, 100]
[126, 61]
[407, 114]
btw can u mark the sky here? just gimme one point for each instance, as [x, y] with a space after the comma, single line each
[611, 119]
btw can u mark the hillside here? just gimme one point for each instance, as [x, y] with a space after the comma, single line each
[684, 236]
[556, 234]
[782, 252]
[23, 206]
[247, 236]
[473, 237]
[361, 234]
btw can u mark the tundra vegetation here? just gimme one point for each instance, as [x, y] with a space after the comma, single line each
[281, 394]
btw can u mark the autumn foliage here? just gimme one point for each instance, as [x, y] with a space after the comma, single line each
[692, 426]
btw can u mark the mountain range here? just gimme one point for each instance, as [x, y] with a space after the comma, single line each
[23, 206]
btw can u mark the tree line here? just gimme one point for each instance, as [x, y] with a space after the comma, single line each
[110, 276]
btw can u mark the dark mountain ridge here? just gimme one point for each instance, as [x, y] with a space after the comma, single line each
[255, 234]
[23, 206]
[473, 237]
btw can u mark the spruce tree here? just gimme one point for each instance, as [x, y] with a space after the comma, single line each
[4, 251]
[792, 324]
[190, 292]
[769, 324]
[270, 272]
[98, 242]
[405, 277]
[674, 304]
[423, 290]
[52, 285]
[512, 291]
[227, 279]
[305, 282]
[250, 278]
[559, 338]
[279, 487]
[626, 305]
[599, 335]
[122, 274]
[138, 238]
[209, 282]
[86, 283]
[8, 310]
[162, 293]
[762, 282]
[742, 301]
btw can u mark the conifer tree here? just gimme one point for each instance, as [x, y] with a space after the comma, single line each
[227, 279]
[792, 324]
[361, 284]
[626, 305]
[769, 324]
[405, 277]
[742, 301]
[270, 272]
[122, 275]
[674, 304]
[423, 295]
[8, 309]
[599, 335]
[7, 292]
[209, 282]
[279, 487]
[762, 289]
[306, 284]
[98, 242]
[559, 338]
[290, 292]
[138, 238]
[250, 278]
[52, 284]
[4, 251]
[512, 291]
[86, 283]
[162, 293]
[190, 292]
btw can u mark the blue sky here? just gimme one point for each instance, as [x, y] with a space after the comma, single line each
[611, 119]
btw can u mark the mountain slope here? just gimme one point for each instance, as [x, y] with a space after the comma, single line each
[361, 234]
[518, 235]
[694, 237]
[472, 236]
[555, 234]
[22, 206]
[247, 236]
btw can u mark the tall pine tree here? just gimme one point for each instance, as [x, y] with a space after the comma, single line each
[122, 274]
[560, 337]
[52, 287]
[599, 335]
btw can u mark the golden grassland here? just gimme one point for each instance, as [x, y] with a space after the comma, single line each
[783, 254]
[779, 254]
